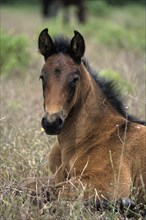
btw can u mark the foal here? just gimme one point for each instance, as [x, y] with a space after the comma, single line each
[99, 146]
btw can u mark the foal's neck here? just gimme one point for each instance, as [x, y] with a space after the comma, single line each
[91, 114]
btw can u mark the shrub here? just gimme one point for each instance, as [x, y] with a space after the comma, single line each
[115, 76]
[99, 8]
[14, 55]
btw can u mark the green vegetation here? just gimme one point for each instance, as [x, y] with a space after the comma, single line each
[115, 76]
[100, 8]
[14, 54]
[108, 26]
[113, 27]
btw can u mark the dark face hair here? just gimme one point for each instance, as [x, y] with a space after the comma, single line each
[60, 77]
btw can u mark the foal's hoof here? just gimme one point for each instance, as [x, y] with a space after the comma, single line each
[126, 203]
[122, 206]
[97, 205]
[132, 208]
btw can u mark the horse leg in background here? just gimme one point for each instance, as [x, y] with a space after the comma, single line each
[45, 8]
[81, 12]
[55, 163]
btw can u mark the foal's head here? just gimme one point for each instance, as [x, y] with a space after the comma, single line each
[60, 77]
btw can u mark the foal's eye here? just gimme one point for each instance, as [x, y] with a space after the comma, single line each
[74, 80]
[72, 86]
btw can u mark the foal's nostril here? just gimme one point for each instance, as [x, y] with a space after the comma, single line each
[44, 122]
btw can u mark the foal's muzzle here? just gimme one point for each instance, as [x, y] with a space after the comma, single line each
[52, 124]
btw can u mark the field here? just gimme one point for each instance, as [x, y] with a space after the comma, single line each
[115, 46]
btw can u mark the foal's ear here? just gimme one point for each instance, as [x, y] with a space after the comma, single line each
[77, 45]
[45, 44]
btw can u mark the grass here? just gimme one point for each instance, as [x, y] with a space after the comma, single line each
[115, 44]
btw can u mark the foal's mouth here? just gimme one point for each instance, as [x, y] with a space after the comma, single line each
[52, 131]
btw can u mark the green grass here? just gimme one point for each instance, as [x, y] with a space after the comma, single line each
[21, 6]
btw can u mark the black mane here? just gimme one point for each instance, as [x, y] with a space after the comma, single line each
[112, 94]
[62, 45]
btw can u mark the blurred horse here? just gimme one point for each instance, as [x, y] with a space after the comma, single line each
[51, 7]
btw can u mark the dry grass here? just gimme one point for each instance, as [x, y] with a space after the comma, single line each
[24, 146]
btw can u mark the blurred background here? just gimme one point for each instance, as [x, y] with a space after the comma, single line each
[114, 32]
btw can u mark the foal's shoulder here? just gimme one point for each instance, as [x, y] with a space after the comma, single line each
[138, 131]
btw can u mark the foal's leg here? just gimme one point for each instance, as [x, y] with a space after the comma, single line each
[55, 163]
[54, 160]
[98, 185]
[46, 185]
